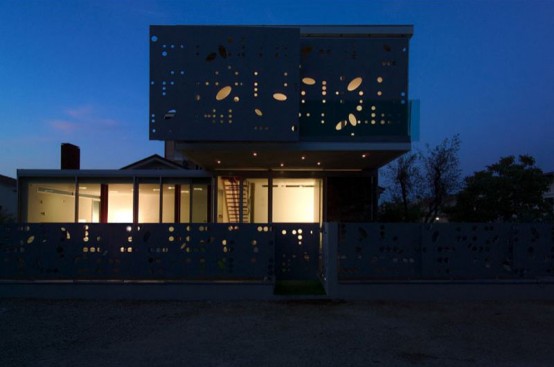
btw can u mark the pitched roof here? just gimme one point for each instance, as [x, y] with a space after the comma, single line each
[154, 161]
[8, 181]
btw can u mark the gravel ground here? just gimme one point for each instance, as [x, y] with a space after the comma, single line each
[291, 333]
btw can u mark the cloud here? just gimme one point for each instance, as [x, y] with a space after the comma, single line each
[64, 126]
[79, 112]
[82, 119]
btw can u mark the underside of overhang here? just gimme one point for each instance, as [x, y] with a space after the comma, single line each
[293, 156]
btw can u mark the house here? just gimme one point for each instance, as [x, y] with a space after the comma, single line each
[277, 124]
[8, 197]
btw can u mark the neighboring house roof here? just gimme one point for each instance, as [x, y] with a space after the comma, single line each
[8, 181]
[154, 162]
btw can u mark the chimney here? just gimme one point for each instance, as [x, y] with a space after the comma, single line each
[71, 156]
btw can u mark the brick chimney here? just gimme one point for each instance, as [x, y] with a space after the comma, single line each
[71, 156]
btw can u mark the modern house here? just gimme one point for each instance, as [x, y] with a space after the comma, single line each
[261, 125]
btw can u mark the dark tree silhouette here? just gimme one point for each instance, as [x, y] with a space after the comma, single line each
[510, 191]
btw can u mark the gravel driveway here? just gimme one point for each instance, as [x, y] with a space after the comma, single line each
[286, 333]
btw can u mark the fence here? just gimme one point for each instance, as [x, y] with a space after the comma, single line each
[445, 251]
[339, 253]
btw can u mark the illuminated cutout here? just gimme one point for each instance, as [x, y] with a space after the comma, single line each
[352, 119]
[358, 108]
[379, 79]
[236, 99]
[339, 125]
[308, 81]
[279, 97]
[223, 93]
[258, 112]
[354, 84]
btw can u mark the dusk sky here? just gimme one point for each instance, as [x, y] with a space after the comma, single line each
[77, 71]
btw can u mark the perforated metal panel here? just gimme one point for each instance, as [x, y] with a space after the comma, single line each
[380, 251]
[452, 251]
[533, 250]
[466, 251]
[224, 83]
[149, 251]
[297, 249]
[353, 88]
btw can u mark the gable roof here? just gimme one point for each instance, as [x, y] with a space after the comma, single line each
[8, 181]
[154, 161]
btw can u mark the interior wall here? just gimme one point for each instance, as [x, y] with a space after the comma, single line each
[296, 200]
[51, 203]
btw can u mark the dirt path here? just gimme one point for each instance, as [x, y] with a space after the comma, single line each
[109, 333]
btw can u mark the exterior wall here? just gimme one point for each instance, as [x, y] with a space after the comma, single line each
[8, 199]
[225, 84]
[351, 199]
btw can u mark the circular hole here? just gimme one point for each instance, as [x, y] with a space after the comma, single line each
[164, 53]
[154, 38]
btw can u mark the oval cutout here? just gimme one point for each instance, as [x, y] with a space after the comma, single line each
[211, 57]
[338, 127]
[258, 112]
[308, 81]
[222, 51]
[354, 84]
[223, 93]
[281, 97]
[352, 119]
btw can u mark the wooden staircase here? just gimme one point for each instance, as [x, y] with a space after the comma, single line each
[233, 200]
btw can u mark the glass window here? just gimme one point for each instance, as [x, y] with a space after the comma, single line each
[89, 203]
[149, 203]
[254, 205]
[257, 191]
[200, 203]
[120, 203]
[184, 204]
[51, 202]
[168, 201]
[296, 200]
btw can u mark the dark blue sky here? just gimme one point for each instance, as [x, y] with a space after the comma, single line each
[77, 71]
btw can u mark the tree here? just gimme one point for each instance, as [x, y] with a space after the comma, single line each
[404, 175]
[420, 183]
[510, 190]
[441, 177]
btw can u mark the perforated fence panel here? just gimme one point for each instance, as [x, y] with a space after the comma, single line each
[148, 251]
[297, 251]
[453, 251]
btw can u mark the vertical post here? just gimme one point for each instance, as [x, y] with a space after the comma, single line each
[324, 200]
[191, 200]
[241, 198]
[330, 253]
[135, 200]
[177, 204]
[76, 183]
[213, 202]
[270, 197]
[209, 216]
[161, 207]
[103, 203]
